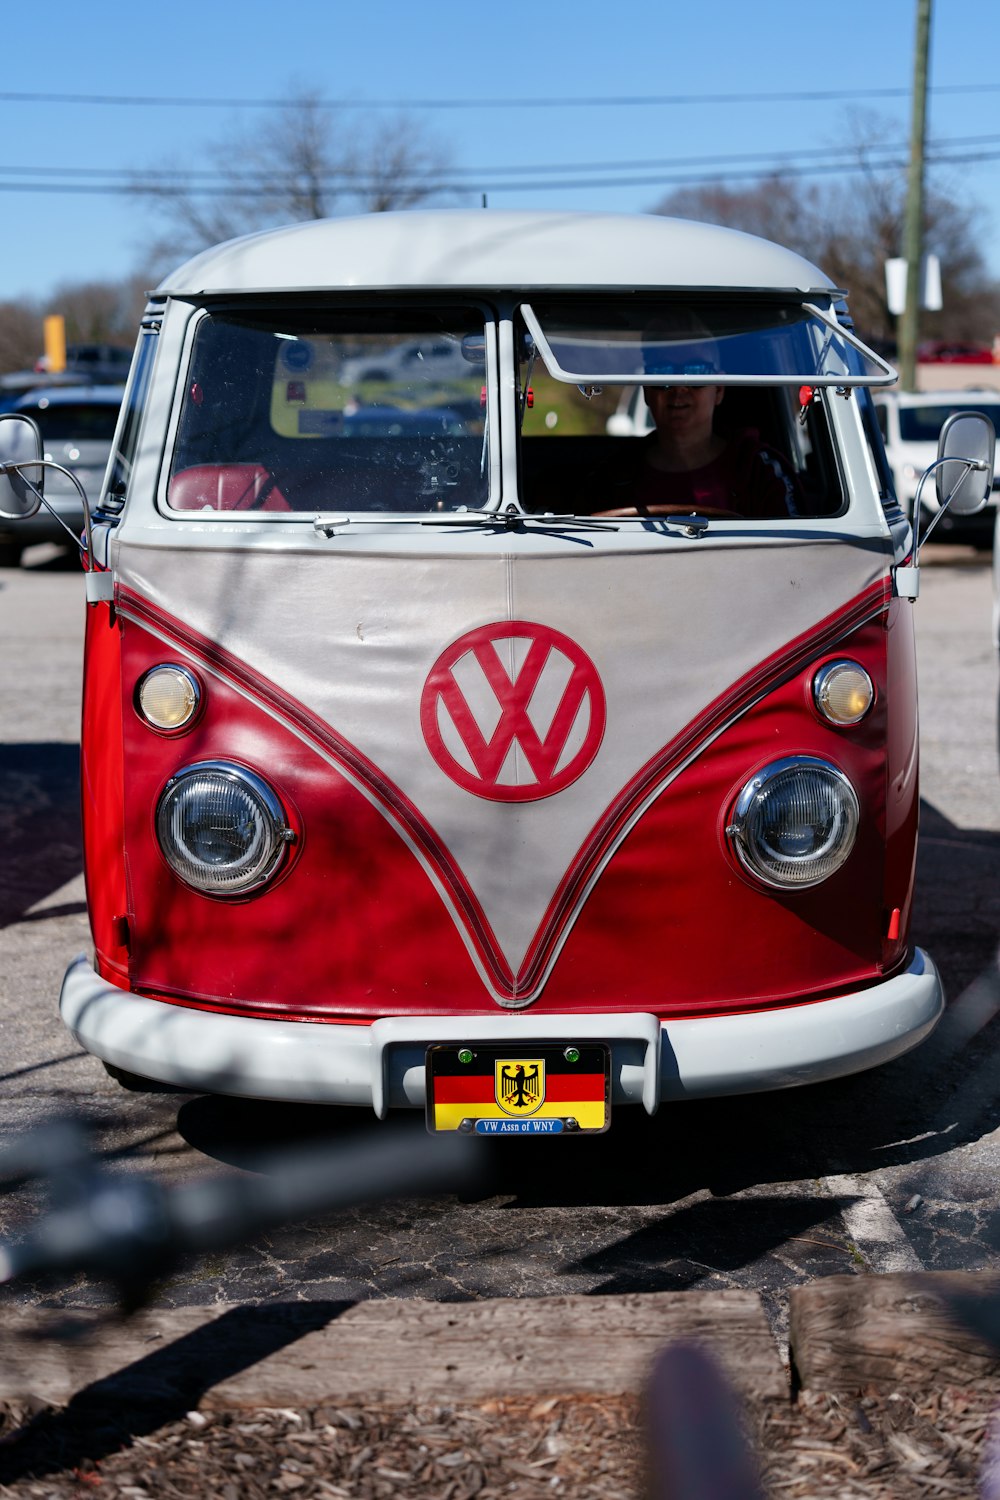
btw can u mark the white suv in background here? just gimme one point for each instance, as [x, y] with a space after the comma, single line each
[910, 423]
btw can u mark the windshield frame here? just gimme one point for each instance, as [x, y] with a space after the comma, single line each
[883, 374]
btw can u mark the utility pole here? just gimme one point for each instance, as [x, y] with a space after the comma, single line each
[913, 223]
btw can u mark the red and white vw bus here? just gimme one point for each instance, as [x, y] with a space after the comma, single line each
[424, 768]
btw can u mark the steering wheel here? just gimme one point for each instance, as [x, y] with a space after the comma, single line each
[713, 511]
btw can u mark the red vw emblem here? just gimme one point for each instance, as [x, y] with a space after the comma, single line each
[513, 711]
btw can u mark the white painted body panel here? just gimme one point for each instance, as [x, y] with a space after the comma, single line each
[462, 248]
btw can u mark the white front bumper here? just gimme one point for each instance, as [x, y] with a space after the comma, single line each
[381, 1064]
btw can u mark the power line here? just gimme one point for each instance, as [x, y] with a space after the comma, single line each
[446, 184]
[347, 174]
[828, 158]
[617, 101]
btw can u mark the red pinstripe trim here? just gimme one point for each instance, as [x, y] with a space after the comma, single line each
[718, 715]
[607, 832]
[387, 794]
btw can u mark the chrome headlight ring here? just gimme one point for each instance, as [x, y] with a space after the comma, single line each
[794, 823]
[222, 829]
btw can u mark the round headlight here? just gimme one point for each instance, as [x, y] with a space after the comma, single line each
[168, 697]
[843, 692]
[221, 828]
[795, 822]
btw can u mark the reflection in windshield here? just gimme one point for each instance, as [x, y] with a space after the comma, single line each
[368, 411]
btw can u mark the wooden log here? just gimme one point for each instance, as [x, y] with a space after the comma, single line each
[895, 1332]
[316, 1354]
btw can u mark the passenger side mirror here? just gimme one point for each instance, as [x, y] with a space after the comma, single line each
[966, 456]
[963, 477]
[20, 450]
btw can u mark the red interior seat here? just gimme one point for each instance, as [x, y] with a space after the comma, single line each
[225, 487]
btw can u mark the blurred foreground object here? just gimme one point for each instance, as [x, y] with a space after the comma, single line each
[130, 1230]
[697, 1446]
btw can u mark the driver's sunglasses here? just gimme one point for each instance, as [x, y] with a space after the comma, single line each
[691, 367]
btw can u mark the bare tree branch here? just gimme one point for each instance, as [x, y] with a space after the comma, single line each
[852, 226]
[307, 162]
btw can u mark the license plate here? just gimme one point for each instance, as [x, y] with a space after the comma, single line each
[549, 1089]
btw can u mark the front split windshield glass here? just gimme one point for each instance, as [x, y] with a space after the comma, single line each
[361, 410]
[634, 410]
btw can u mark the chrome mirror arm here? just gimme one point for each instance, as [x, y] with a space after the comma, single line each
[971, 465]
[907, 576]
[87, 545]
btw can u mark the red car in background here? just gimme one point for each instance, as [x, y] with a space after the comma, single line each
[939, 352]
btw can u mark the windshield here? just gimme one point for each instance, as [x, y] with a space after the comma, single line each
[922, 424]
[352, 411]
[665, 342]
[752, 451]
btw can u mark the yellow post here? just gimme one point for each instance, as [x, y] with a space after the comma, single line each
[55, 343]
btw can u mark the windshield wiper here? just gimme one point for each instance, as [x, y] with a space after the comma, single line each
[508, 520]
[327, 525]
[512, 518]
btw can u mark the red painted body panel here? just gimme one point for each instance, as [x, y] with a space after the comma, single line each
[102, 789]
[691, 922]
[902, 777]
[356, 927]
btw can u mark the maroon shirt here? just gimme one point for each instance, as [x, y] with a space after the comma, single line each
[747, 477]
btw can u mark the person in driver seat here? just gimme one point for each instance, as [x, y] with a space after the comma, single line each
[687, 464]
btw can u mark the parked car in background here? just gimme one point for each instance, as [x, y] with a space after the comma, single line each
[940, 352]
[428, 360]
[96, 364]
[911, 422]
[77, 424]
[19, 383]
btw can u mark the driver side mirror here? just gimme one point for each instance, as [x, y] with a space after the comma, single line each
[20, 450]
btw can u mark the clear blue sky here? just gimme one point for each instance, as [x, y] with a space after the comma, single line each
[560, 50]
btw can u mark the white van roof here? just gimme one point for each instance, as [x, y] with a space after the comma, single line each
[487, 248]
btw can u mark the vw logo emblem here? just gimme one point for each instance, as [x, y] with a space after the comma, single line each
[513, 711]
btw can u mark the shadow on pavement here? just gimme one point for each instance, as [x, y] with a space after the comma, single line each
[752, 1164]
[39, 824]
[906, 1111]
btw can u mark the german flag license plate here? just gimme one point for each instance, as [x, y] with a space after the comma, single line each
[548, 1089]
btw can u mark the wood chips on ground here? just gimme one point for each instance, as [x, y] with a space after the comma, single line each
[587, 1447]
